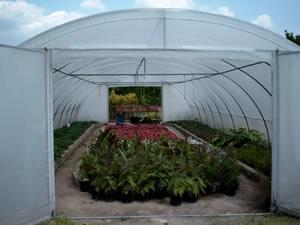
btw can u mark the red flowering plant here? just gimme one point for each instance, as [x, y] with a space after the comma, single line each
[142, 131]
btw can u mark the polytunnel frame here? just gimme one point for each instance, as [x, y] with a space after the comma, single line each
[84, 77]
[274, 73]
[274, 65]
[263, 38]
[50, 74]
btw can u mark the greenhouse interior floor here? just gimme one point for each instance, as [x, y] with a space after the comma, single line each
[70, 202]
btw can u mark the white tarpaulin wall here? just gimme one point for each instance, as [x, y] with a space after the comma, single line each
[212, 68]
[26, 156]
[286, 153]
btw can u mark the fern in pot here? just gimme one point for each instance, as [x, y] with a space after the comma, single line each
[176, 188]
[105, 182]
[87, 170]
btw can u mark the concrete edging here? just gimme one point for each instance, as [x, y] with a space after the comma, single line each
[186, 132]
[69, 152]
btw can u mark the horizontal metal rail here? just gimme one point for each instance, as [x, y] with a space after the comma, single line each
[171, 216]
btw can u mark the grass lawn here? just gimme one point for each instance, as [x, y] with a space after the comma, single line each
[63, 137]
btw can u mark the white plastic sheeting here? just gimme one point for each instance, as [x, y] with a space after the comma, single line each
[26, 155]
[286, 153]
[212, 68]
[172, 98]
[222, 64]
[158, 28]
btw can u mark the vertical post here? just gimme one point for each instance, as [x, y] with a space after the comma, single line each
[103, 103]
[107, 102]
[49, 125]
[164, 30]
[275, 128]
[163, 103]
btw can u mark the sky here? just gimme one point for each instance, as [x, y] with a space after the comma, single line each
[22, 19]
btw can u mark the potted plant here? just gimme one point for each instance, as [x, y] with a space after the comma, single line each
[176, 189]
[230, 180]
[194, 186]
[128, 188]
[105, 186]
[86, 169]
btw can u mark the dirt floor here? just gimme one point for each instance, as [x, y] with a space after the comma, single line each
[70, 202]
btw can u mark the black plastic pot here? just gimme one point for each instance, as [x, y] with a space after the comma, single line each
[127, 198]
[84, 185]
[134, 119]
[208, 189]
[229, 189]
[143, 198]
[95, 195]
[189, 198]
[157, 194]
[175, 200]
[108, 197]
[213, 188]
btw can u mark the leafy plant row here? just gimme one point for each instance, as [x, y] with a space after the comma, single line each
[142, 169]
[63, 137]
[249, 146]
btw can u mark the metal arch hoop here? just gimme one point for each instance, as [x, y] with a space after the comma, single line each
[222, 100]
[250, 97]
[211, 112]
[221, 118]
[235, 100]
[203, 108]
[249, 75]
[200, 117]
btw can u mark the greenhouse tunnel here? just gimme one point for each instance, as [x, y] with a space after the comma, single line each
[214, 69]
[219, 68]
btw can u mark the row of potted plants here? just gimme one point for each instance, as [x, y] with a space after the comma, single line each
[139, 169]
[249, 146]
[205, 132]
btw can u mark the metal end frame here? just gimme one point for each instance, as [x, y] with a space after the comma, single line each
[49, 125]
[275, 128]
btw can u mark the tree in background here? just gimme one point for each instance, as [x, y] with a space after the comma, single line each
[294, 38]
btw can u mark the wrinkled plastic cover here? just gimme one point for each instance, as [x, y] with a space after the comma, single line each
[26, 156]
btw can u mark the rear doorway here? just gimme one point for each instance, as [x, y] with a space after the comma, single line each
[135, 105]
